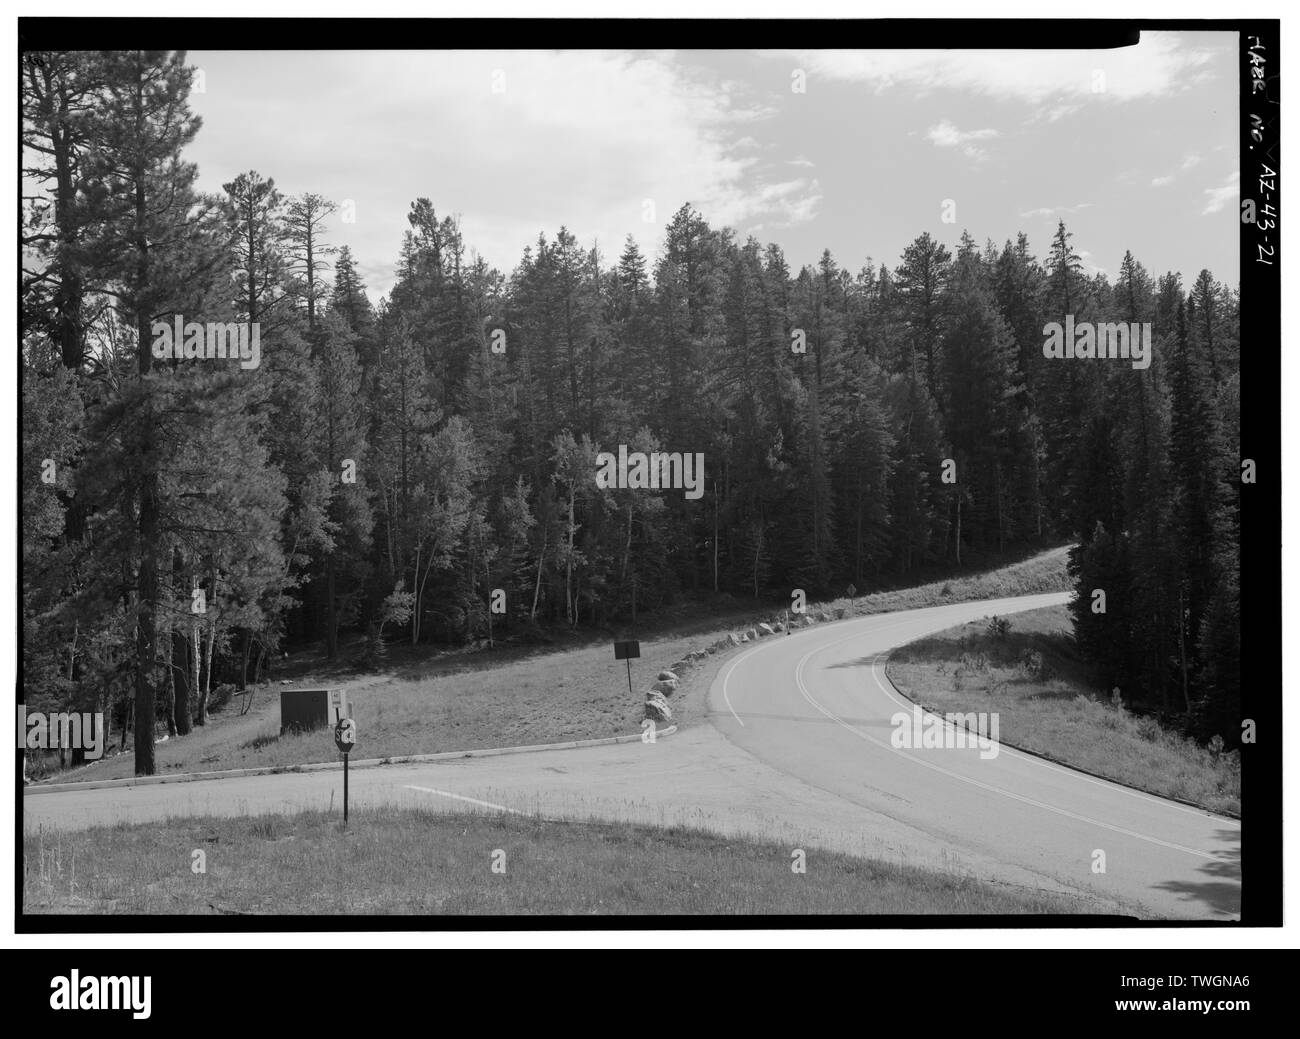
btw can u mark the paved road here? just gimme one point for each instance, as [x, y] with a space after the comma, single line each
[798, 752]
[818, 706]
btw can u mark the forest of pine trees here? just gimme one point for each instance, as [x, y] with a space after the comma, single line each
[387, 466]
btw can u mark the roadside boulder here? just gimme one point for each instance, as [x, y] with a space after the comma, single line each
[657, 709]
[765, 630]
[732, 639]
[665, 686]
[667, 676]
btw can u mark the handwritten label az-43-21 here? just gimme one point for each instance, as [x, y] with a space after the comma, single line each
[1263, 215]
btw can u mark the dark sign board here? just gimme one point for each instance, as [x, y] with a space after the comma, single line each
[345, 735]
[627, 650]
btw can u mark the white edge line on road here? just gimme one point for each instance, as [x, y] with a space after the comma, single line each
[462, 797]
[803, 689]
[731, 667]
[889, 690]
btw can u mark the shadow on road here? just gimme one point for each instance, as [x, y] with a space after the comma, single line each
[1221, 887]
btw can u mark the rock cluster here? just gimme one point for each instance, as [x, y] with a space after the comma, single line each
[669, 680]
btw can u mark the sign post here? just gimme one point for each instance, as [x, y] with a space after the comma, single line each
[626, 651]
[345, 738]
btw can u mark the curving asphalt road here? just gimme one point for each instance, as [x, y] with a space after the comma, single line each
[817, 705]
[799, 752]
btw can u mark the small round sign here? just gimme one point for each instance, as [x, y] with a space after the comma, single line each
[345, 735]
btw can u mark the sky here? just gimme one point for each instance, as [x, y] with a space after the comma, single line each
[1134, 148]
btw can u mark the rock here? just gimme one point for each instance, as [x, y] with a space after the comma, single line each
[680, 666]
[780, 626]
[732, 640]
[665, 686]
[744, 637]
[808, 622]
[667, 676]
[765, 629]
[657, 709]
[752, 633]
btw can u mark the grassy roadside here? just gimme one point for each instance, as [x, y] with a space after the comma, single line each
[1041, 573]
[571, 690]
[1048, 704]
[420, 862]
[466, 702]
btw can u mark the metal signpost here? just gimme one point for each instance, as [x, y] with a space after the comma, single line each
[345, 738]
[626, 651]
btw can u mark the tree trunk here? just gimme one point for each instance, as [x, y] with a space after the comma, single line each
[68, 296]
[171, 687]
[196, 663]
[205, 690]
[627, 553]
[243, 670]
[537, 588]
[572, 614]
[487, 580]
[146, 641]
[181, 701]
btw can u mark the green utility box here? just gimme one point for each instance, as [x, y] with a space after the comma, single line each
[307, 709]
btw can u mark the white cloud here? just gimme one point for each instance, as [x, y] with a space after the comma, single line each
[1162, 63]
[580, 138]
[945, 135]
[1090, 265]
[1055, 211]
[1060, 112]
[1217, 198]
[1190, 160]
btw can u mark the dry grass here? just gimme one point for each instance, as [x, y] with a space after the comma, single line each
[512, 696]
[466, 702]
[1036, 575]
[427, 863]
[1048, 704]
